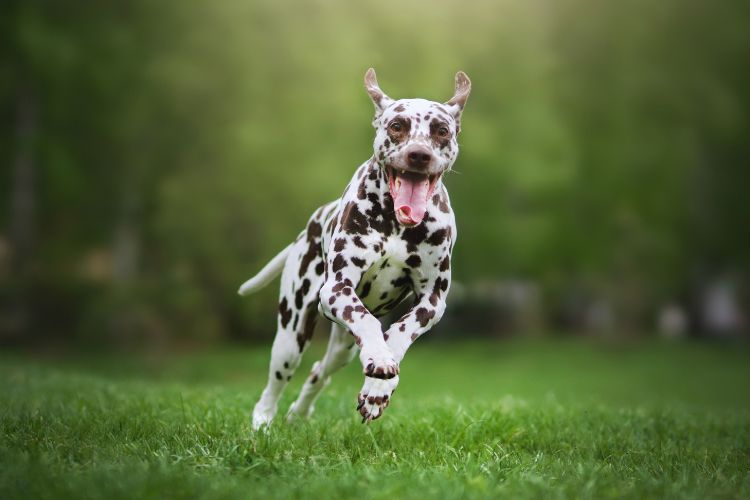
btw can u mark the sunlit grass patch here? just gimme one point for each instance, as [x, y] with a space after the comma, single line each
[518, 419]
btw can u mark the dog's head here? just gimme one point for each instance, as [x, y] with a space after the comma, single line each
[415, 143]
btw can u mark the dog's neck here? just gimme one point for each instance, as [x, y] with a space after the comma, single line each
[380, 179]
[373, 185]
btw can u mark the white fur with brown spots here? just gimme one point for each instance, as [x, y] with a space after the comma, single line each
[388, 239]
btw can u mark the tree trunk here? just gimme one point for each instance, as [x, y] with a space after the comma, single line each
[126, 248]
[21, 223]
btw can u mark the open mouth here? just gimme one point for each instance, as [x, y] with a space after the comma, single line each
[411, 192]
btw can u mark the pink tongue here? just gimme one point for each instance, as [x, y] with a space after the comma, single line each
[411, 198]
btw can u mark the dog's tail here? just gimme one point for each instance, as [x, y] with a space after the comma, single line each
[267, 274]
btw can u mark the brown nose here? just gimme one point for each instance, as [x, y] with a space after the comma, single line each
[418, 158]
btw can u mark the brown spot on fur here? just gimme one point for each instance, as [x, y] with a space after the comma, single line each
[440, 286]
[424, 316]
[445, 264]
[278, 375]
[382, 221]
[358, 262]
[339, 244]
[438, 237]
[285, 313]
[314, 231]
[347, 314]
[339, 262]
[358, 242]
[352, 220]
[414, 260]
[372, 173]
[332, 223]
[311, 318]
[341, 284]
[439, 201]
[414, 236]
[300, 295]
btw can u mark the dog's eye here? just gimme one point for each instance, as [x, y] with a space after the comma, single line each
[396, 126]
[443, 131]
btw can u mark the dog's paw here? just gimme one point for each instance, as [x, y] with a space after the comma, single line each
[297, 413]
[378, 364]
[262, 419]
[375, 397]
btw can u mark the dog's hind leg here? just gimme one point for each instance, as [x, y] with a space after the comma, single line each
[298, 314]
[292, 337]
[341, 350]
[301, 281]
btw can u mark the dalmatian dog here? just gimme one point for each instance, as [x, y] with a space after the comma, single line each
[388, 239]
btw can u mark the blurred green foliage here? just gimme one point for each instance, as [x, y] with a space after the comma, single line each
[156, 154]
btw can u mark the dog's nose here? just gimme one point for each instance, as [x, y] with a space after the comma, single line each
[418, 158]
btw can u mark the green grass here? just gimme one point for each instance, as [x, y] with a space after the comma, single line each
[511, 419]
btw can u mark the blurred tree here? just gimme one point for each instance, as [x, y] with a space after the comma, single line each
[159, 153]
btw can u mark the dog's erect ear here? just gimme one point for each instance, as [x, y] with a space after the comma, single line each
[378, 97]
[458, 101]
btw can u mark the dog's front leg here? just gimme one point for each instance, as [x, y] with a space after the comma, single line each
[340, 303]
[375, 395]
[417, 321]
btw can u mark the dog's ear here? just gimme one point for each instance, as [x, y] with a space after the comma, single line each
[379, 99]
[458, 101]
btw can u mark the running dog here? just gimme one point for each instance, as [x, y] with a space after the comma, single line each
[388, 239]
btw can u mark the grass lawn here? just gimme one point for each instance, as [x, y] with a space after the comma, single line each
[507, 419]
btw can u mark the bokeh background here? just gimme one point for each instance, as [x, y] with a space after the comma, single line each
[154, 155]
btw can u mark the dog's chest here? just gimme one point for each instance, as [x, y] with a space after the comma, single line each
[387, 262]
[391, 277]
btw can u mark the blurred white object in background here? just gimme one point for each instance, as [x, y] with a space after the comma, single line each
[721, 310]
[672, 322]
